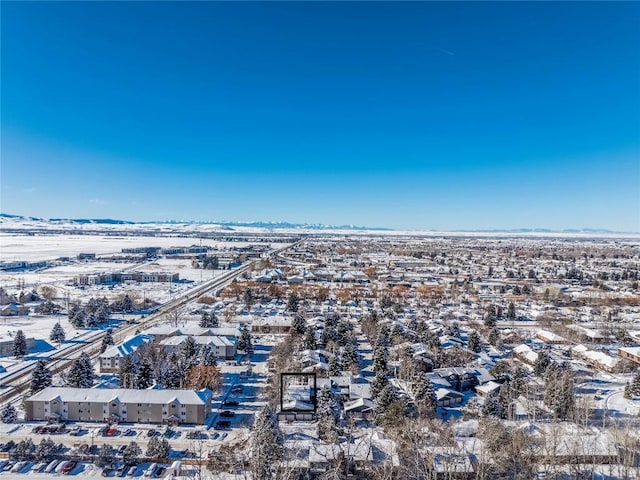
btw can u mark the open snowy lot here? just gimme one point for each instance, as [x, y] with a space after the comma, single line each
[51, 247]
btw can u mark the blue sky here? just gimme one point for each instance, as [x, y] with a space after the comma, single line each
[406, 115]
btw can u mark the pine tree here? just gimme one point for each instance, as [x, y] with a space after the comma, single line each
[19, 345]
[144, 379]
[511, 311]
[24, 450]
[293, 301]
[492, 406]
[380, 381]
[107, 340]
[425, 395]
[57, 333]
[265, 446]
[40, 377]
[46, 450]
[79, 318]
[131, 454]
[349, 356]
[473, 342]
[80, 374]
[633, 388]
[327, 414]
[386, 397]
[380, 355]
[158, 448]
[298, 324]
[207, 356]
[542, 363]
[208, 320]
[74, 308]
[335, 366]
[189, 351]
[105, 456]
[309, 342]
[127, 372]
[8, 413]
[244, 343]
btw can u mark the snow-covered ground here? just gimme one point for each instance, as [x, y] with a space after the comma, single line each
[51, 247]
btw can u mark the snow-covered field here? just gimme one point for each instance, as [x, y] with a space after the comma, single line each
[51, 247]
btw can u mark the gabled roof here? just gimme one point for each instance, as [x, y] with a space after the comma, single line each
[124, 395]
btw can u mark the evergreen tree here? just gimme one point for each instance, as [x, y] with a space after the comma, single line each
[490, 317]
[144, 379]
[494, 337]
[298, 324]
[542, 363]
[349, 356]
[208, 320]
[158, 448]
[19, 344]
[293, 302]
[244, 343]
[24, 450]
[79, 318]
[131, 454]
[327, 414]
[425, 395]
[385, 398]
[105, 456]
[107, 340]
[46, 450]
[207, 356]
[380, 381]
[40, 377]
[80, 374]
[127, 372]
[189, 351]
[57, 333]
[74, 308]
[559, 393]
[473, 342]
[335, 366]
[8, 413]
[492, 407]
[511, 311]
[175, 375]
[309, 342]
[380, 355]
[633, 388]
[248, 298]
[265, 446]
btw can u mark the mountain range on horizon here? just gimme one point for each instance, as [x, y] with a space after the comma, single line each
[293, 225]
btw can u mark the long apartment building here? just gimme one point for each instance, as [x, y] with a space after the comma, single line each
[119, 405]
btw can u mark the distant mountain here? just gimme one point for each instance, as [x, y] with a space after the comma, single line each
[230, 225]
[227, 225]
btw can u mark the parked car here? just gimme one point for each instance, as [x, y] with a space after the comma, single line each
[231, 403]
[106, 472]
[227, 414]
[68, 467]
[149, 471]
[52, 465]
[19, 466]
[128, 432]
[151, 433]
[132, 471]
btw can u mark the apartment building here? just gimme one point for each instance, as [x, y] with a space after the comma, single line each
[119, 405]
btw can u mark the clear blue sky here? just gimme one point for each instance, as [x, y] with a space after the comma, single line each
[406, 115]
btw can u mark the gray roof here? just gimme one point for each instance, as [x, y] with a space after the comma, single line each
[123, 395]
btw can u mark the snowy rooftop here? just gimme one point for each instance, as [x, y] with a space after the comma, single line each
[93, 395]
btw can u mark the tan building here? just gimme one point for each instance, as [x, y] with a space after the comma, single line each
[630, 353]
[119, 405]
